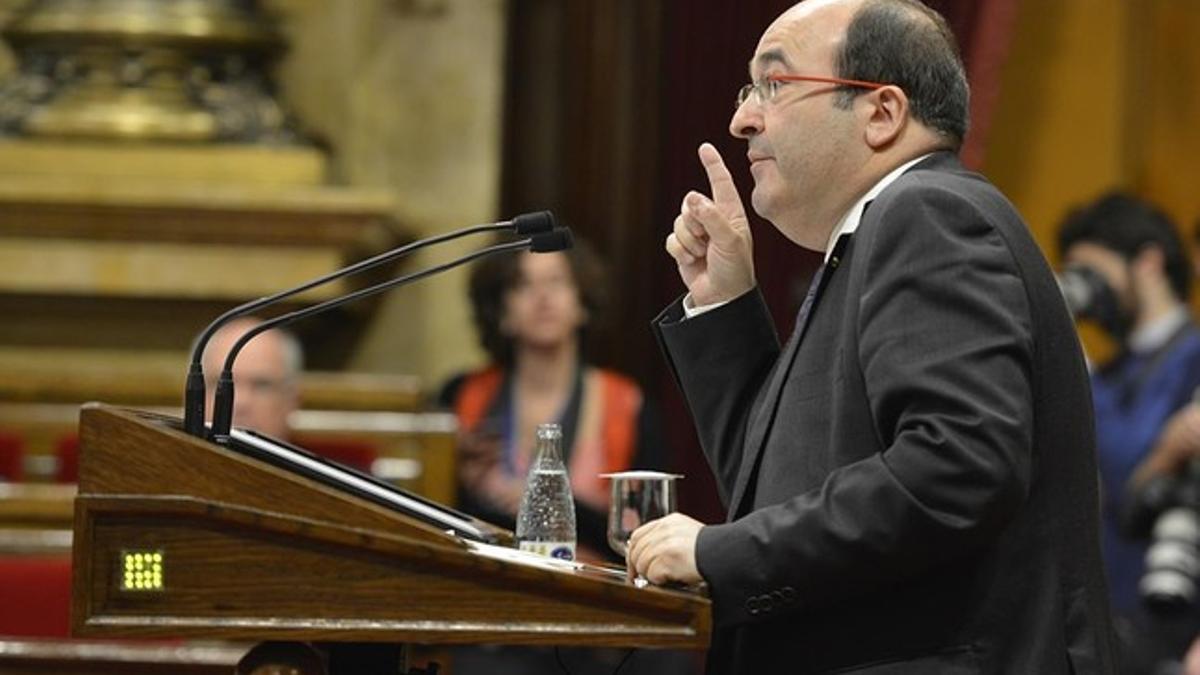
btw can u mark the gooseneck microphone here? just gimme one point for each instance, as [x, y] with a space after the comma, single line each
[525, 225]
[541, 242]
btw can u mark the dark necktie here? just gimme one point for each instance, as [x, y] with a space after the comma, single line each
[814, 286]
[809, 297]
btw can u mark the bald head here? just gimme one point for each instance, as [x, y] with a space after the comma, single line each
[815, 29]
[808, 9]
[265, 376]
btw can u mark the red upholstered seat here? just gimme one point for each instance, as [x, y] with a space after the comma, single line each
[36, 592]
[12, 457]
[67, 451]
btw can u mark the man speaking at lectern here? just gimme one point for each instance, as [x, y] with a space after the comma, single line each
[910, 479]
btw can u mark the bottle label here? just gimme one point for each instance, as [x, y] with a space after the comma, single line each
[563, 550]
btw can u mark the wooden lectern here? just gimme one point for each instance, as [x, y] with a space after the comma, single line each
[179, 537]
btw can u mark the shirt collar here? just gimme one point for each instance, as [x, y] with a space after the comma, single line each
[849, 222]
[1152, 337]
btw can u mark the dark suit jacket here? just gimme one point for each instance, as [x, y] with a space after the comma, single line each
[911, 479]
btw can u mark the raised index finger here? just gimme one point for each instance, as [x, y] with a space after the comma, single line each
[724, 193]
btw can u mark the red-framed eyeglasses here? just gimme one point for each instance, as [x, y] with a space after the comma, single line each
[764, 90]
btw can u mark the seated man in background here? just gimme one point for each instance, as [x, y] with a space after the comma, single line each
[266, 376]
[1141, 279]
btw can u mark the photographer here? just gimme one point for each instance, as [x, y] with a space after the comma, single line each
[1161, 504]
[1126, 269]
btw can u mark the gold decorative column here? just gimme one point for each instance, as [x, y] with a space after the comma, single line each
[150, 180]
[147, 70]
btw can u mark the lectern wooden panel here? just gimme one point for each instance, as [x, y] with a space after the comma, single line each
[177, 537]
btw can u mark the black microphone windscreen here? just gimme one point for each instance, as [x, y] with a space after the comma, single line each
[529, 224]
[555, 240]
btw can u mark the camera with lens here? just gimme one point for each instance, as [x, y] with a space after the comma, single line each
[1087, 294]
[1166, 509]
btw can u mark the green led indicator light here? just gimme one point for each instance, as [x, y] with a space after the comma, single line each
[141, 571]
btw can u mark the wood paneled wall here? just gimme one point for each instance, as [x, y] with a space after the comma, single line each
[409, 96]
[1099, 95]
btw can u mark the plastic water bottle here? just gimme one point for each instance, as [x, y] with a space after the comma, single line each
[546, 517]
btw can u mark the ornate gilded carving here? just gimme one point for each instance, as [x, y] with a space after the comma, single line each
[147, 70]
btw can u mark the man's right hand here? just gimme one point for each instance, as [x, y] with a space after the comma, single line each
[711, 241]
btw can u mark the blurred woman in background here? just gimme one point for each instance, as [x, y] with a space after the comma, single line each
[535, 314]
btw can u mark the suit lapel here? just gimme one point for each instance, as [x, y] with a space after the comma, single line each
[763, 418]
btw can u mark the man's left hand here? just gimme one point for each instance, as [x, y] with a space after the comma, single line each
[1177, 444]
[664, 550]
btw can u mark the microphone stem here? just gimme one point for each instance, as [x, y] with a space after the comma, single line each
[193, 407]
[223, 403]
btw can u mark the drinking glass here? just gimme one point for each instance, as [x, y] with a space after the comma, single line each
[637, 498]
